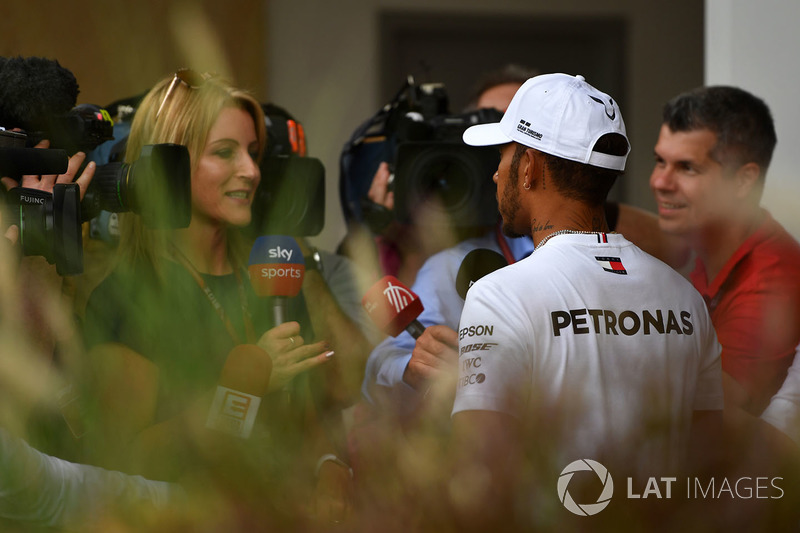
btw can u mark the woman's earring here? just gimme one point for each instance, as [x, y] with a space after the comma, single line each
[526, 186]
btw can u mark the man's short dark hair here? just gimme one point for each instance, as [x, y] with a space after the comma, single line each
[511, 73]
[741, 121]
[587, 183]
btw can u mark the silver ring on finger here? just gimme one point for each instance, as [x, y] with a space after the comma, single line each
[292, 340]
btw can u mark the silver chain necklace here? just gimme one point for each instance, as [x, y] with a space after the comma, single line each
[563, 232]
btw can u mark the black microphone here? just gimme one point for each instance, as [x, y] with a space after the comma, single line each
[16, 162]
[475, 265]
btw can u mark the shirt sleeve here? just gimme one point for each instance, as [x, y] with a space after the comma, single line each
[758, 336]
[39, 489]
[494, 358]
[783, 410]
[435, 285]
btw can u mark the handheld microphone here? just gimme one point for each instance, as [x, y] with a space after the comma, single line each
[476, 264]
[242, 383]
[393, 307]
[276, 268]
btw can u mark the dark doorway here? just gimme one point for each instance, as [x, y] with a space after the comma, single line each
[456, 50]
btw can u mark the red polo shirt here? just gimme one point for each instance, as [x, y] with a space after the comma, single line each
[754, 303]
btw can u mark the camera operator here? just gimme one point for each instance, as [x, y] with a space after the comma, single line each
[400, 248]
[36, 488]
[34, 91]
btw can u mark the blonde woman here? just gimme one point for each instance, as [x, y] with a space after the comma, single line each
[162, 324]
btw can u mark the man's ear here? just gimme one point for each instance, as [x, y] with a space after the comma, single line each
[747, 178]
[531, 170]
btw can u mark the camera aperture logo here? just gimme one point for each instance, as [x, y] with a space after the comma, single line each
[665, 487]
[585, 509]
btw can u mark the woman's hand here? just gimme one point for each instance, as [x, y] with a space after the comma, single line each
[290, 356]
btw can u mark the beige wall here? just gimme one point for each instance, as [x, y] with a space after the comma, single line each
[120, 48]
[753, 45]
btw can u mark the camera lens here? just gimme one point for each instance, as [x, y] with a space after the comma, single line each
[50, 225]
[443, 178]
[448, 179]
[156, 186]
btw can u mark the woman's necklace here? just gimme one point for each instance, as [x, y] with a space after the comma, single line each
[198, 278]
[565, 231]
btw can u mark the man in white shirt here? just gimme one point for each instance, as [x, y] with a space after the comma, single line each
[596, 350]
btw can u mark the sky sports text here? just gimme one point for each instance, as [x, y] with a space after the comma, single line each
[280, 253]
[282, 272]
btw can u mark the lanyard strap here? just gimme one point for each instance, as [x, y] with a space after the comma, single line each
[501, 241]
[248, 324]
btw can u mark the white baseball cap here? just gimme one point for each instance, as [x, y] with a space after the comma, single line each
[557, 114]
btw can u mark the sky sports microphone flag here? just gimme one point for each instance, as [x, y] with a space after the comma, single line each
[276, 268]
[393, 307]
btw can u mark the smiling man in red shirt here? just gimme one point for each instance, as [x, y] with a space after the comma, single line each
[711, 159]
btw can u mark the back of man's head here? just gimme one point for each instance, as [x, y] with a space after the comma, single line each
[741, 121]
[512, 75]
[584, 182]
[578, 129]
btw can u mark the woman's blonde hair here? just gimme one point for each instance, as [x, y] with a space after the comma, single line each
[174, 112]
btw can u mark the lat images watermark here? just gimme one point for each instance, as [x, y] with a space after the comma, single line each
[666, 487]
[585, 509]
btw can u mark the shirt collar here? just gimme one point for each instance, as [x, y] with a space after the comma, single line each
[699, 276]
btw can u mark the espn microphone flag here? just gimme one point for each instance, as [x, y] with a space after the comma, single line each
[242, 383]
[276, 266]
[393, 307]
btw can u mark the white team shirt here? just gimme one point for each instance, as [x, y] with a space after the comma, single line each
[588, 343]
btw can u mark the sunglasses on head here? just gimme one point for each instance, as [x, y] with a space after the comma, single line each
[188, 77]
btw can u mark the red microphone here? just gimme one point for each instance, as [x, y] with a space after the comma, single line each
[393, 307]
[276, 268]
[242, 383]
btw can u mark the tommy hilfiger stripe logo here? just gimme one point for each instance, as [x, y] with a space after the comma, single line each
[612, 264]
[602, 238]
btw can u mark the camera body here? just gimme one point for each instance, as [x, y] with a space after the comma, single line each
[290, 199]
[82, 129]
[437, 178]
[434, 170]
[157, 186]
[16, 160]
